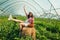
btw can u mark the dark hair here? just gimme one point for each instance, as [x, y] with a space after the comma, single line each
[31, 15]
[14, 21]
[14, 17]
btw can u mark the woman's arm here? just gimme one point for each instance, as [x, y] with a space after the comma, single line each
[25, 11]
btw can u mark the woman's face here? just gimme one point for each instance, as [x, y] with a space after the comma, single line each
[30, 13]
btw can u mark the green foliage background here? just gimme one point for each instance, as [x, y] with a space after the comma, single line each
[46, 29]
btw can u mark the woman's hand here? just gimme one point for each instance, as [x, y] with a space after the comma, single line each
[25, 10]
[24, 7]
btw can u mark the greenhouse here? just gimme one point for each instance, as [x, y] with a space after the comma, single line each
[40, 8]
[45, 15]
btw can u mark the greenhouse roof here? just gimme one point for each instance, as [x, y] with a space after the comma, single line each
[37, 7]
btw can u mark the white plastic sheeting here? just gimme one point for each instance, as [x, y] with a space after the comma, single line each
[40, 8]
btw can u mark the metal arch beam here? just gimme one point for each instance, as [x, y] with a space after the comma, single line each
[39, 6]
[9, 6]
[19, 1]
[5, 10]
[3, 2]
[53, 7]
[50, 8]
[13, 5]
[35, 2]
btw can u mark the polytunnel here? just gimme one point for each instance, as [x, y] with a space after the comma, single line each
[40, 8]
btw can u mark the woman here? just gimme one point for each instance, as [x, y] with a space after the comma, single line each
[28, 23]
